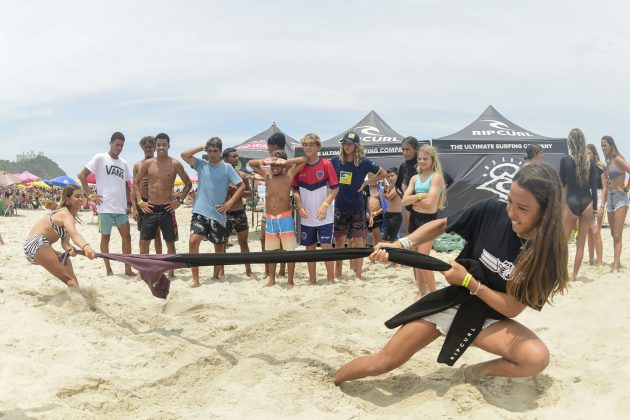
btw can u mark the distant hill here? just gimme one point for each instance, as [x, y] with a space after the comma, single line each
[40, 166]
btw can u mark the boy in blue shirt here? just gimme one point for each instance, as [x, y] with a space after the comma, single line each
[209, 219]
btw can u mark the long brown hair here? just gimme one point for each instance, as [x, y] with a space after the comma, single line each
[67, 192]
[598, 162]
[540, 271]
[577, 150]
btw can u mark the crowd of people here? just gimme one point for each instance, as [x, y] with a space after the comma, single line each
[520, 245]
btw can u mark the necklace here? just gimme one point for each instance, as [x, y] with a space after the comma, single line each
[523, 242]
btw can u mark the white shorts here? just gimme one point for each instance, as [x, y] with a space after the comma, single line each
[444, 319]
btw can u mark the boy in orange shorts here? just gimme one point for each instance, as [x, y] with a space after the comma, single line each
[280, 228]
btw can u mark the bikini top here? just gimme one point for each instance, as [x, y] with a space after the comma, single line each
[59, 230]
[612, 172]
[423, 187]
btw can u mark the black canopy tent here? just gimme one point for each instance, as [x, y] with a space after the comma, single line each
[483, 157]
[380, 141]
[256, 146]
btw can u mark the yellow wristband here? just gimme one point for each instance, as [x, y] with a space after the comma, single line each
[140, 202]
[261, 162]
[420, 196]
[467, 279]
[325, 204]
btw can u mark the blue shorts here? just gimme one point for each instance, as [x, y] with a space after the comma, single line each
[310, 234]
[107, 220]
[616, 200]
[280, 232]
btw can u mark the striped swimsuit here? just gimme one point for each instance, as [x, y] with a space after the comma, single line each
[32, 245]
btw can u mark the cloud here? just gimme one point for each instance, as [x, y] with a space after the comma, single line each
[75, 71]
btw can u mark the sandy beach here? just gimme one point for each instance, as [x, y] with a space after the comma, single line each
[234, 349]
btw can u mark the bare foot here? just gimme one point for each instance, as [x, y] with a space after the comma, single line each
[194, 284]
[171, 273]
[471, 374]
[109, 273]
[290, 286]
[130, 273]
[251, 275]
[312, 283]
[331, 281]
[72, 283]
[270, 284]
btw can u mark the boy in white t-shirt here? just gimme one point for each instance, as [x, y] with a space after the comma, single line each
[112, 195]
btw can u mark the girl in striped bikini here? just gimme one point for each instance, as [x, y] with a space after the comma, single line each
[59, 224]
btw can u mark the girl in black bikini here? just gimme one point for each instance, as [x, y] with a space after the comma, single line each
[59, 224]
[579, 176]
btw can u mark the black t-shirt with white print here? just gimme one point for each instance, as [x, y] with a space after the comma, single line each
[490, 240]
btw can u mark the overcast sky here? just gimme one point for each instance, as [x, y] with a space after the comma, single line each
[73, 72]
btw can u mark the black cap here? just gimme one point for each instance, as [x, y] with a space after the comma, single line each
[277, 139]
[350, 137]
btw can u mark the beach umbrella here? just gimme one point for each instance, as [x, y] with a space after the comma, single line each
[7, 179]
[178, 182]
[40, 184]
[194, 178]
[26, 176]
[62, 181]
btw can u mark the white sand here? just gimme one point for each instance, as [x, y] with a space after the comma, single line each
[232, 348]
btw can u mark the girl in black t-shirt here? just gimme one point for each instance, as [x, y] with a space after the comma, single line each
[521, 241]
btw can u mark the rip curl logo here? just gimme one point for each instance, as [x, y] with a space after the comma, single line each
[494, 264]
[498, 178]
[500, 128]
[371, 134]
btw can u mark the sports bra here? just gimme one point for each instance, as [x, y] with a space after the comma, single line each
[423, 187]
[59, 230]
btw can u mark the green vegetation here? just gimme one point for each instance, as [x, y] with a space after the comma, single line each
[40, 166]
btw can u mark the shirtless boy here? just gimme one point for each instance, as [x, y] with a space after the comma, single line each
[280, 228]
[236, 215]
[159, 210]
[375, 213]
[147, 144]
[393, 217]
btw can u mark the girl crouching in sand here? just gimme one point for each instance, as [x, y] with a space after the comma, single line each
[521, 248]
[58, 224]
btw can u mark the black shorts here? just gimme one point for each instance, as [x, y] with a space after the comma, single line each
[209, 229]
[160, 218]
[393, 221]
[378, 222]
[140, 214]
[350, 221]
[417, 219]
[236, 220]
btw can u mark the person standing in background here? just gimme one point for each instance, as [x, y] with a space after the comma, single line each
[147, 144]
[595, 244]
[113, 196]
[352, 167]
[617, 167]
